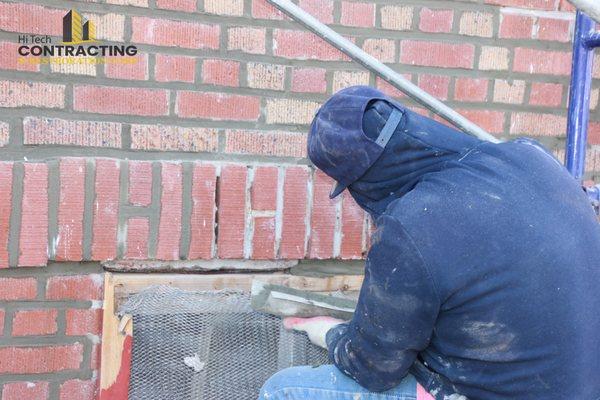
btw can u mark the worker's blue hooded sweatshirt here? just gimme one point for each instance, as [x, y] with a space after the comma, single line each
[483, 276]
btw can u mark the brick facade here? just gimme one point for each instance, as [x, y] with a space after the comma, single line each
[196, 149]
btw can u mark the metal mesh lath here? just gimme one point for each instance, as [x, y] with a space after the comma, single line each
[207, 345]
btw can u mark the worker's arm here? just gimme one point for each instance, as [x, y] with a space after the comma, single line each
[395, 315]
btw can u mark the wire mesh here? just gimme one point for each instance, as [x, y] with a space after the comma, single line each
[207, 345]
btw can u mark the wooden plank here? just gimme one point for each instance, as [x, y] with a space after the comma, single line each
[116, 349]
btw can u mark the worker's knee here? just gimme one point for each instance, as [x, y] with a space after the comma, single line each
[275, 388]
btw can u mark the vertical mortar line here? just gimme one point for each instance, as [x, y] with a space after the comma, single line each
[377, 16]
[269, 42]
[223, 39]
[337, 12]
[243, 78]
[123, 200]
[53, 390]
[53, 204]
[221, 140]
[15, 215]
[154, 219]
[287, 79]
[172, 102]
[16, 137]
[61, 320]
[151, 66]
[451, 86]
[126, 136]
[309, 207]
[337, 232]
[247, 12]
[198, 74]
[186, 210]
[88, 207]
[249, 223]
[279, 208]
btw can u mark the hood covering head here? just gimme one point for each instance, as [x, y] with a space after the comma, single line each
[418, 146]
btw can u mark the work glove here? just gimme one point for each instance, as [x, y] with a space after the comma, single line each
[316, 327]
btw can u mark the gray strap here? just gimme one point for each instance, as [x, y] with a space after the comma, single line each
[389, 128]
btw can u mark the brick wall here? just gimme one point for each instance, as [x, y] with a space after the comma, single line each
[192, 156]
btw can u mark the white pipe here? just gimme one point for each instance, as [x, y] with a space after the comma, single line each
[381, 69]
[590, 7]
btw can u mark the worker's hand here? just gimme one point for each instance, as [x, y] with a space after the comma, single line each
[316, 328]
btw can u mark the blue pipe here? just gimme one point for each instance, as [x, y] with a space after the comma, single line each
[593, 40]
[581, 80]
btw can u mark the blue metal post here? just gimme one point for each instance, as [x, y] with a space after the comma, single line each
[584, 41]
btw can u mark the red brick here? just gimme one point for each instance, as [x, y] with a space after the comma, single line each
[33, 239]
[353, 218]
[34, 322]
[232, 214]
[437, 54]
[539, 4]
[9, 58]
[25, 391]
[265, 76]
[264, 189]
[75, 287]
[436, 85]
[82, 322]
[162, 32]
[169, 228]
[202, 220]
[77, 389]
[119, 100]
[594, 133]
[491, 121]
[281, 144]
[12, 289]
[263, 239]
[263, 10]
[475, 23]
[30, 18]
[130, 68]
[566, 6]
[469, 89]
[546, 94]
[180, 5]
[137, 238]
[322, 221]
[309, 80]
[293, 226]
[382, 49]
[56, 131]
[4, 134]
[221, 72]
[40, 360]
[217, 106]
[358, 14]
[303, 45]
[6, 176]
[70, 210]
[556, 30]
[95, 356]
[516, 26]
[106, 210]
[542, 61]
[140, 183]
[320, 9]
[31, 94]
[531, 124]
[509, 92]
[224, 7]
[173, 138]
[247, 39]
[170, 68]
[431, 20]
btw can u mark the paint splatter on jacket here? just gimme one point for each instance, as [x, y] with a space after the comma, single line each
[483, 276]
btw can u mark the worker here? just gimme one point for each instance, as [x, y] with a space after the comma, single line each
[483, 276]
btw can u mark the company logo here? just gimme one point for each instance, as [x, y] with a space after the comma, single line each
[77, 29]
[79, 46]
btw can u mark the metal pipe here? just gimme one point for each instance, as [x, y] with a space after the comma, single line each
[579, 96]
[590, 7]
[382, 70]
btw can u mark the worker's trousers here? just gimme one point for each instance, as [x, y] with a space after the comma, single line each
[329, 383]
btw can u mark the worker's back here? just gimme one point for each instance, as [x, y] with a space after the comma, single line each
[513, 247]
